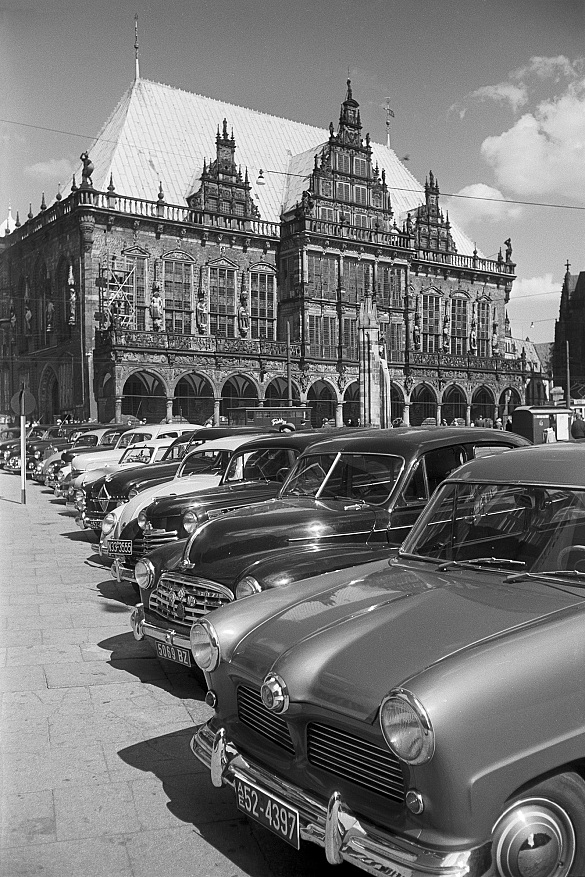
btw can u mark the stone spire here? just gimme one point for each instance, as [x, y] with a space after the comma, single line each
[136, 64]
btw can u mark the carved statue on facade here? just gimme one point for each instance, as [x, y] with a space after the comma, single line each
[13, 322]
[201, 314]
[307, 202]
[446, 329]
[416, 332]
[49, 315]
[495, 340]
[27, 320]
[508, 243]
[473, 337]
[157, 310]
[86, 171]
[243, 316]
[72, 302]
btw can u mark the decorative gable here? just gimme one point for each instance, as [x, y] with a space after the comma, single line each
[223, 190]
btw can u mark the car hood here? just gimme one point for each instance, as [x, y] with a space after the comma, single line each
[145, 497]
[345, 646]
[125, 481]
[82, 462]
[228, 495]
[218, 550]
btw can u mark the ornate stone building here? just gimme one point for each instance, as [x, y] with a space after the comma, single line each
[568, 358]
[212, 257]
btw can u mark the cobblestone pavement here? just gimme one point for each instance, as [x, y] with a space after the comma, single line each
[97, 776]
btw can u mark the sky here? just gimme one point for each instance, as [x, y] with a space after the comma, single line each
[489, 95]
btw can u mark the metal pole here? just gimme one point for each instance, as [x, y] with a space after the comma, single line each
[288, 377]
[22, 448]
[568, 378]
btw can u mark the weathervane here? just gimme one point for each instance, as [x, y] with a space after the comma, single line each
[389, 115]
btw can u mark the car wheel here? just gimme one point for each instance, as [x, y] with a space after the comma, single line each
[542, 832]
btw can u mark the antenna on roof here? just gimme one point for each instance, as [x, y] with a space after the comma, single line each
[389, 115]
[136, 65]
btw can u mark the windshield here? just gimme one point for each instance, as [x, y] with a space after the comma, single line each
[211, 462]
[137, 454]
[263, 464]
[132, 438]
[176, 451]
[359, 477]
[537, 529]
[110, 437]
[87, 440]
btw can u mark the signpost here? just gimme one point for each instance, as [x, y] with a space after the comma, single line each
[23, 403]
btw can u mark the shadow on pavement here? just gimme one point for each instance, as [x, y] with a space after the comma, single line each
[213, 812]
[82, 536]
[122, 592]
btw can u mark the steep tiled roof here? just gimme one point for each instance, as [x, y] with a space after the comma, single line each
[158, 134]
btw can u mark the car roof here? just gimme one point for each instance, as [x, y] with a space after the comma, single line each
[151, 443]
[404, 441]
[227, 443]
[554, 464]
[296, 440]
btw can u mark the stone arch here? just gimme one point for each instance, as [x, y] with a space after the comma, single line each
[454, 404]
[48, 402]
[106, 399]
[351, 403]
[276, 393]
[535, 392]
[483, 406]
[193, 398]
[322, 399]
[509, 399]
[238, 391]
[423, 405]
[144, 396]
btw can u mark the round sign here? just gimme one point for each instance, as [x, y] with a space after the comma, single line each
[30, 403]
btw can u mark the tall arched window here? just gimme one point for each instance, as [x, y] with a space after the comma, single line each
[431, 322]
[459, 326]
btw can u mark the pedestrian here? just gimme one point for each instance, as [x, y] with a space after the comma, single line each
[509, 424]
[578, 427]
[498, 424]
[444, 422]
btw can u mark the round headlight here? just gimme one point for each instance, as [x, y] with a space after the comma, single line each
[144, 573]
[142, 519]
[132, 493]
[246, 587]
[37, 455]
[61, 475]
[205, 645]
[108, 523]
[79, 495]
[406, 727]
[190, 521]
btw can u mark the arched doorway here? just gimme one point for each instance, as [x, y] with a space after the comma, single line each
[423, 405]
[482, 406]
[193, 399]
[454, 404]
[48, 405]
[238, 392]
[321, 399]
[144, 397]
[351, 404]
[509, 399]
[535, 392]
[396, 403]
[276, 395]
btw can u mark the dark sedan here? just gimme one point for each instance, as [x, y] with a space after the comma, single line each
[367, 489]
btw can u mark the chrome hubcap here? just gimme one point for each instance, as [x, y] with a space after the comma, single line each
[534, 838]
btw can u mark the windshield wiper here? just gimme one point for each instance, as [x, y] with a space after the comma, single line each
[545, 573]
[481, 561]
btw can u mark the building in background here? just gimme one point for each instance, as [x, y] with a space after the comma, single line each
[210, 257]
[568, 358]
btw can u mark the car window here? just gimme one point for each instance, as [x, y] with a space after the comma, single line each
[159, 454]
[440, 463]
[536, 527]
[109, 437]
[309, 474]
[262, 464]
[415, 489]
[140, 437]
[137, 454]
[484, 450]
[363, 477]
[88, 440]
[176, 452]
[168, 434]
[203, 462]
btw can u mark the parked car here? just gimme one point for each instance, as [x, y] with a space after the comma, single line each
[126, 485]
[202, 468]
[38, 445]
[423, 715]
[256, 471]
[366, 488]
[101, 438]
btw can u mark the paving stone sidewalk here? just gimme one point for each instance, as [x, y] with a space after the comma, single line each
[97, 778]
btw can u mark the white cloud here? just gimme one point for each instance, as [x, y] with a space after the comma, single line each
[480, 203]
[54, 169]
[504, 92]
[544, 151]
[548, 68]
[534, 307]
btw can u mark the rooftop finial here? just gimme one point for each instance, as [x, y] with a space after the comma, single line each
[136, 65]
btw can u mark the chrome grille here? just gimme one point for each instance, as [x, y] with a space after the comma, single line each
[356, 760]
[253, 713]
[152, 539]
[185, 599]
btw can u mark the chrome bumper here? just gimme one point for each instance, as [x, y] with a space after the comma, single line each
[333, 826]
[120, 572]
[142, 629]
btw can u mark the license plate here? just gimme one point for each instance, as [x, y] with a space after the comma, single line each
[93, 525]
[173, 653]
[119, 546]
[269, 811]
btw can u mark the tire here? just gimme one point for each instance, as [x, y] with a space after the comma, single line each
[541, 833]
